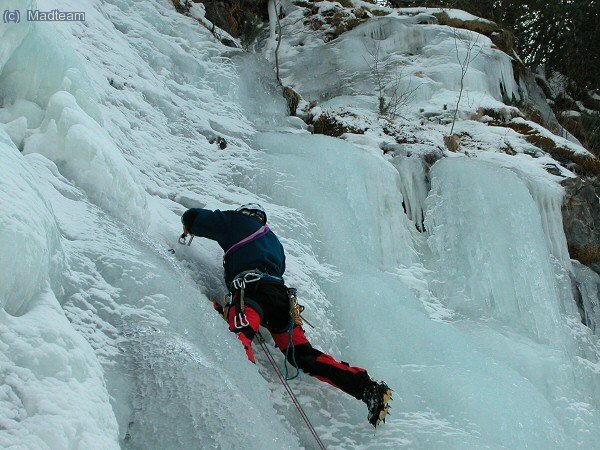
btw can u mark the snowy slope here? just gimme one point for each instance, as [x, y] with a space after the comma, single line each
[119, 121]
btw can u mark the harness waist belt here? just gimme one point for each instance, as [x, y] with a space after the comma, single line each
[251, 276]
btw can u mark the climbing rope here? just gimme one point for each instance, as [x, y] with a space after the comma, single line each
[289, 391]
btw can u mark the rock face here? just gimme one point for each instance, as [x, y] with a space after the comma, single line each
[232, 16]
[581, 215]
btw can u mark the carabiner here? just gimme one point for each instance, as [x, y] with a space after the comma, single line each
[240, 321]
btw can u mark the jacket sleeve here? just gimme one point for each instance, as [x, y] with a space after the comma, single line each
[206, 223]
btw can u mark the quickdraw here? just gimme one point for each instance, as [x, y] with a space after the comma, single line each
[296, 309]
[239, 284]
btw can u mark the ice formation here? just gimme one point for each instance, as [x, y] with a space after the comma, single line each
[588, 283]
[108, 340]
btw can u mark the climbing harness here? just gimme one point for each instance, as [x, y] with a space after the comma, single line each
[287, 387]
[240, 320]
[239, 285]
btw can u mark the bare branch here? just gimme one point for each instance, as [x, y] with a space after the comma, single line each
[389, 85]
[470, 44]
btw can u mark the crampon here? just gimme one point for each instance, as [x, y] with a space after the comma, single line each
[377, 397]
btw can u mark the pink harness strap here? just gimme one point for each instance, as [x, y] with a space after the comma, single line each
[254, 236]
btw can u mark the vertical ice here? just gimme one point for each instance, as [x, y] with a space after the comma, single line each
[53, 391]
[488, 245]
[413, 186]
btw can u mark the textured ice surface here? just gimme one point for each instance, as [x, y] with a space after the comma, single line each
[486, 240]
[29, 239]
[461, 373]
[53, 393]
[421, 56]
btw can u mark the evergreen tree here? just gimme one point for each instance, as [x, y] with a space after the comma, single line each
[560, 35]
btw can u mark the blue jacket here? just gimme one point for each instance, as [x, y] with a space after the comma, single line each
[229, 227]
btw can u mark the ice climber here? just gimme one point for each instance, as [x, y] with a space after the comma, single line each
[254, 263]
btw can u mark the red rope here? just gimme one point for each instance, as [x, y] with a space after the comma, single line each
[290, 392]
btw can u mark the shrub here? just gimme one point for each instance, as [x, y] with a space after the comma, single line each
[584, 164]
[452, 142]
[379, 12]
[250, 31]
[328, 125]
[591, 126]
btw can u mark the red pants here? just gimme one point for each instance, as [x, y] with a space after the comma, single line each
[304, 356]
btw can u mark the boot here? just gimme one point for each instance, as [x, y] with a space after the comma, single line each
[377, 395]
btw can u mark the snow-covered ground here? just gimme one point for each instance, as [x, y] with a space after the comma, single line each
[111, 128]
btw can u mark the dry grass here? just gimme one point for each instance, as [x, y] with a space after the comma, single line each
[329, 125]
[508, 149]
[341, 22]
[503, 39]
[315, 24]
[452, 142]
[584, 164]
[379, 12]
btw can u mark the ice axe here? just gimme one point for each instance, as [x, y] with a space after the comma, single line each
[182, 240]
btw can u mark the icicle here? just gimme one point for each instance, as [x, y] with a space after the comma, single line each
[549, 197]
[588, 283]
[413, 187]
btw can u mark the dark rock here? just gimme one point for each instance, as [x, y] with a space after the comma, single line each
[292, 98]
[228, 42]
[426, 19]
[232, 15]
[553, 169]
[581, 218]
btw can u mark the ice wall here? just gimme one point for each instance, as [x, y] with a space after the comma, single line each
[413, 182]
[436, 367]
[422, 56]
[175, 375]
[53, 393]
[30, 244]
[52, 109]
[85, 152]
[372, 225]
[488, 245]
